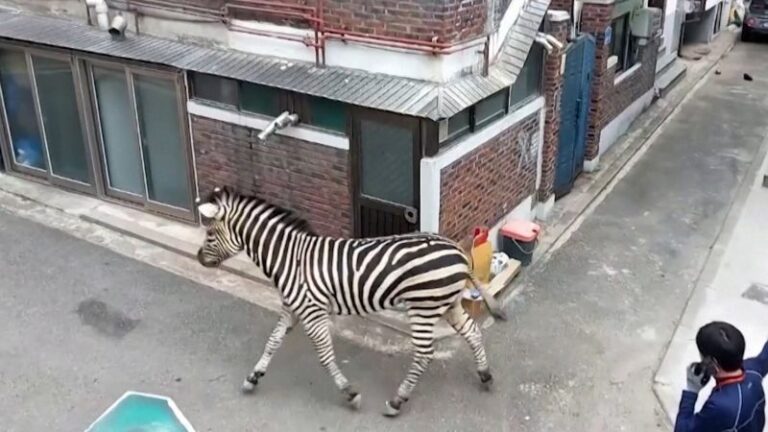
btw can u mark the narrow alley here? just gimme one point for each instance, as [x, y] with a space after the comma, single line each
[82, 325]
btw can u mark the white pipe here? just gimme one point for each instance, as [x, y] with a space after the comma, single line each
[541, 39]
[282, 121]
[101, 10]
[553, 40]
[548, 41]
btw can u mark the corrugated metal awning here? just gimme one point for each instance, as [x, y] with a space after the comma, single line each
[383, 92]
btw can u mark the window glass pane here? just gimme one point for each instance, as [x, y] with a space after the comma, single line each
[491, 108]
[25, 134]
[164, 160]
[213, 88]
[118, 128]
[458, 123]
[387, 162]
[61, 119]
[260, 99]
[618, 42]
[328, 114]
[528, 83]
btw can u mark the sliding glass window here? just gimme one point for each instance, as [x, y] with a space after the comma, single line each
[143, 145]
[42, 116]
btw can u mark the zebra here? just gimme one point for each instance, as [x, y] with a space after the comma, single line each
[317, 276]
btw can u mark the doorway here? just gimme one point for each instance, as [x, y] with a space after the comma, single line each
[385, 152]
[574, 113]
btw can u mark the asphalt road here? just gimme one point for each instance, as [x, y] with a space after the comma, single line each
[80, 325]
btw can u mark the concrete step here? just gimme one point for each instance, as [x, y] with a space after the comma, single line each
[669, 76]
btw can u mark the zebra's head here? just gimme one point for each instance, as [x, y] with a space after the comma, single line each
[221, 241]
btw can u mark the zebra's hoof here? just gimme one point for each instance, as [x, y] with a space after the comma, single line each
[247, 387]
[355, 401]
[486, 379]
[392, 409]
[250, 383]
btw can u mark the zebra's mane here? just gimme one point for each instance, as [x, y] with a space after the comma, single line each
[290, 217]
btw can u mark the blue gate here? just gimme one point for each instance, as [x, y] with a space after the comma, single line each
[574, 112]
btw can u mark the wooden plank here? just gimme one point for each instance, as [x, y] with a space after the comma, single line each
[476, 308]
[502, 280]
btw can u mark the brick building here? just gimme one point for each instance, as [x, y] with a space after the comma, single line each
[623, 81]
[412, 115]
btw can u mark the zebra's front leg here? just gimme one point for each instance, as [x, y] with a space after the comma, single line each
[423, 338]
[316, 324]
[284, 325]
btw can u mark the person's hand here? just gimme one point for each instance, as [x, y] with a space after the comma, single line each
[697, 377]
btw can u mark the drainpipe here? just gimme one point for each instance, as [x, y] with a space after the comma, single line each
[282, 121]
[101, 10]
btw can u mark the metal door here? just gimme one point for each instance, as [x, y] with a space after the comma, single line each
[385, 160]
[574, 112]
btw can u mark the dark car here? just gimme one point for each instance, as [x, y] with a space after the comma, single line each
[755, 20]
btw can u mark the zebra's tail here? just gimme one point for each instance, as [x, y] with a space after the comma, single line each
[493, 306]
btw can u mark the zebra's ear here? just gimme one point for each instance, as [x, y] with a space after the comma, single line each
[210, 210]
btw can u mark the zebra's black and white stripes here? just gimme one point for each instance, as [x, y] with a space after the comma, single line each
[318, 276]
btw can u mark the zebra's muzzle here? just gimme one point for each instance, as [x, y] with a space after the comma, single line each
[205, 261]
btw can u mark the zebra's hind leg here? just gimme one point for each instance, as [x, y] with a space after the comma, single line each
[464, 325]
[316, 324]
[284, 325]
[422, 322]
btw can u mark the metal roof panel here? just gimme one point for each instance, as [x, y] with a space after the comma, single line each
[378, 91]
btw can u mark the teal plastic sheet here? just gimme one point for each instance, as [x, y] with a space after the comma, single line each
[141, 412]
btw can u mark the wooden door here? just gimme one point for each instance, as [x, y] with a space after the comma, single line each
[385, 161]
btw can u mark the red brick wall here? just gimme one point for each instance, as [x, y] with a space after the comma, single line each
[594, 20]
[447, 20]
[621, 96]
[563, 5]
[553, 88]
[490, 181]
[311, 179]
[609, 100]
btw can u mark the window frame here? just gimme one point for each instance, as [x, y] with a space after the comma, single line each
[513, 105]
[229, 104]
[81, 71]
[301, 104]
[474, 125]
[626, 57]
[287, 100]
[6, 141]
[503, 95]
[281, 99]
[109, 193]
[465, 129]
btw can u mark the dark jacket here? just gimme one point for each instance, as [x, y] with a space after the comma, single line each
[735, 405]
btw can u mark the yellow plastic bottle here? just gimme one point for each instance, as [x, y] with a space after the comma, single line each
[481, 253]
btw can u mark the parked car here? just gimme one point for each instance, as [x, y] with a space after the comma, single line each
[755, 20]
